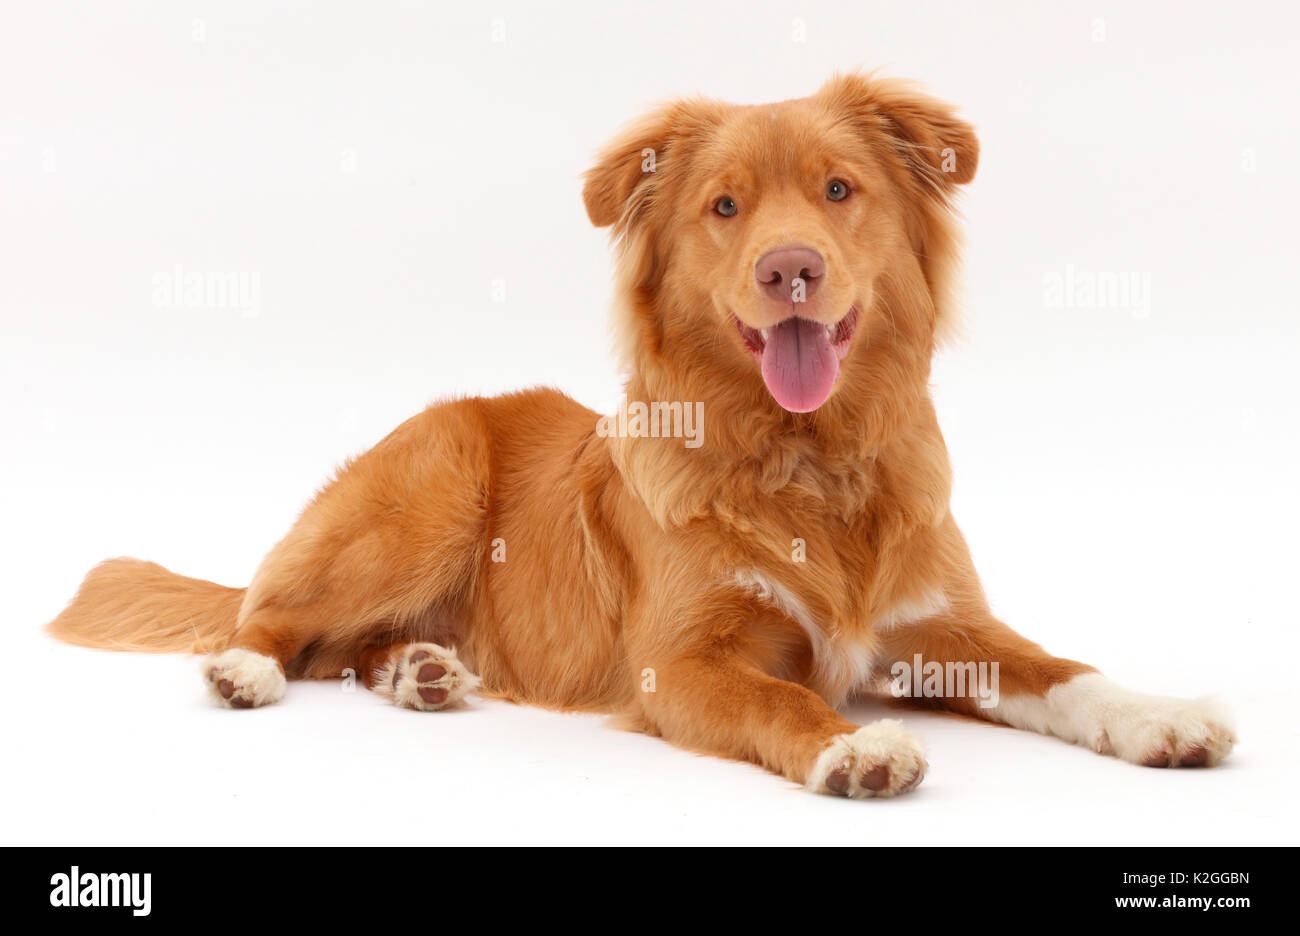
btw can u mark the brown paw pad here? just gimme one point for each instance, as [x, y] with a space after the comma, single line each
[837, 781]
[1194, 756]
[432, 694]
[1156, 759]
[875, 778]
[227, 690]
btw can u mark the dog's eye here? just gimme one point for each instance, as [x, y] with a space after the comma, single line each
[725, 206]
[837, 190]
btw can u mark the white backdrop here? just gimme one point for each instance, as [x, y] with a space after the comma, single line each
[393, 191]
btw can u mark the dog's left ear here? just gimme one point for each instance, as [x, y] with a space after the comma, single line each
[628, 166]
[938, 146]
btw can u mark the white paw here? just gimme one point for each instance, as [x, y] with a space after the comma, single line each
[1160, 732]
[427, 677]
[243, 679]
[1154, 731]
[880, 759]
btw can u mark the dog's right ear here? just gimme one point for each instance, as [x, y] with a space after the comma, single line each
[627, 166]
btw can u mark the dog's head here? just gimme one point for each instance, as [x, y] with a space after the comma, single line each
[787, 238]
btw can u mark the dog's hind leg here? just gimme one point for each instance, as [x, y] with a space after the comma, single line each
[397, 539]
[422, 676]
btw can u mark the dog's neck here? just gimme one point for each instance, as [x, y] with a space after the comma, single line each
[831, 460]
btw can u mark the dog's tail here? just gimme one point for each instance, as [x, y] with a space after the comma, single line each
[127, 604]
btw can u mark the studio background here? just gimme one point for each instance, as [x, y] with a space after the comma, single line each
[394, 189]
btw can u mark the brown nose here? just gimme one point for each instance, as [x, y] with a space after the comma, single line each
[777, 270]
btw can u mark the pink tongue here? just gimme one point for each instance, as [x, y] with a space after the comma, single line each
[799, 365]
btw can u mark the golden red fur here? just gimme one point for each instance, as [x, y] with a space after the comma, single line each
[661, 582]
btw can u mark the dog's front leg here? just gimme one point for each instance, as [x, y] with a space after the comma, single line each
[1031, 689]
[713, 691]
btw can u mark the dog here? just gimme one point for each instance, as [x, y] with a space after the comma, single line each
[784, 274]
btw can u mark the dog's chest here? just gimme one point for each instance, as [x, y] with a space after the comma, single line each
[844, 660]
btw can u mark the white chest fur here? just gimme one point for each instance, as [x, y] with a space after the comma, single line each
[841, 663]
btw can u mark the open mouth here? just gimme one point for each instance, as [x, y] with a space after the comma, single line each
[800, 358]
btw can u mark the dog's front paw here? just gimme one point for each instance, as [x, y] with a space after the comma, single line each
[880, 759]
[1154, 731]
[1160, 732]
[244, 679]
[425, 676]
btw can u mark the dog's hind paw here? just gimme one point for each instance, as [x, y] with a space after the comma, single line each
[877, 760]
[243, 679]
[425, 676]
